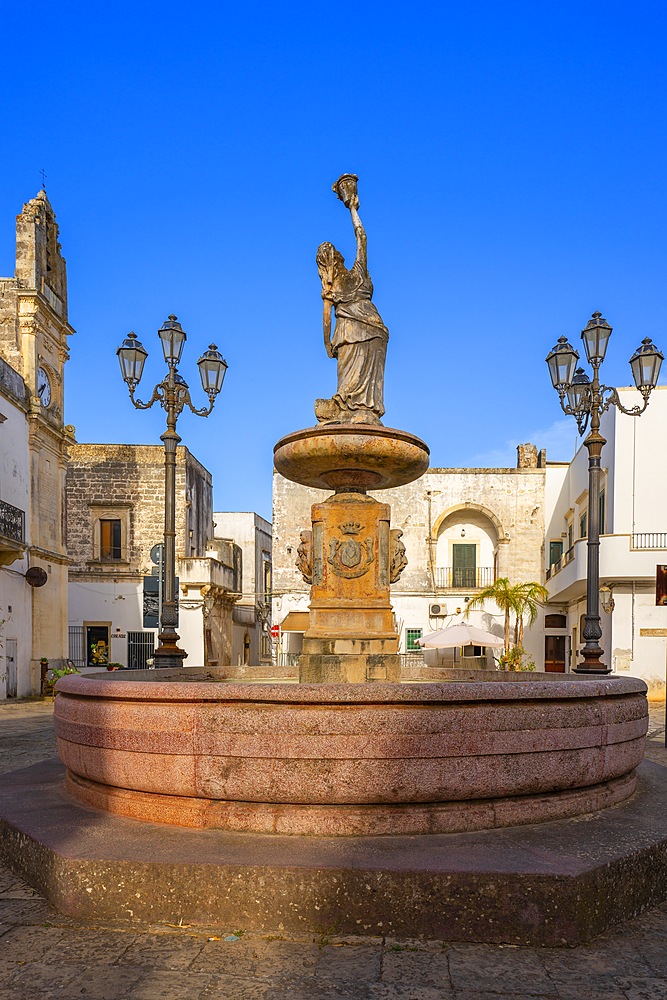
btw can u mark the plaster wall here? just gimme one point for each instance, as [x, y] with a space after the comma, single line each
[15, 488]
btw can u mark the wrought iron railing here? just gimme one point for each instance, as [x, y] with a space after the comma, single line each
[455, 578]
[649, 540]
[12, 522]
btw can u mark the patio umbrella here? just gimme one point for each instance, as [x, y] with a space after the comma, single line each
[460, 635]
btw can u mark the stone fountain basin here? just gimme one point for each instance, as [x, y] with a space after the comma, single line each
[361, 456]
[350, 759]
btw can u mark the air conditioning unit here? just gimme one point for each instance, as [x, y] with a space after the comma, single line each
[437, 610]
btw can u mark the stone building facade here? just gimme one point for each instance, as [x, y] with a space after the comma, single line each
[115, 517]
[34, 439]
[462, 529]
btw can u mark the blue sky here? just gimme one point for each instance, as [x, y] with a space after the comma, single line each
[512, 163]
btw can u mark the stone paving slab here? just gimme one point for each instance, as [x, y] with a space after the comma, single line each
[44, 954]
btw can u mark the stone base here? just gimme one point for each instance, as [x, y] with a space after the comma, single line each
[349, 820]
[350, 668]
[559, 883]
[349, 661]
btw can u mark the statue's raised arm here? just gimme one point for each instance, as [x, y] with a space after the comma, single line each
[359, 341]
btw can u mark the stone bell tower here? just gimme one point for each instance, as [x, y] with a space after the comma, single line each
[33, 340]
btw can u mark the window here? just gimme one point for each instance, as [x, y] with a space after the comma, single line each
[602, 512]
[110, 531]
[570, 536]
[555, 552]
[411, 636]
[110, 539]
[464, 570]
[266, 578]
[555, 621]
[583, 525]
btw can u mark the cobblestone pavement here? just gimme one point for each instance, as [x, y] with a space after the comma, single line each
[46, 955]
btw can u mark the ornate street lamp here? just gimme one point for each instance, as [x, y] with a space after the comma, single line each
[172, 394]
[588, 400]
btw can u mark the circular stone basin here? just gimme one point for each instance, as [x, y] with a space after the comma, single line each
[362, 456]
[350, 759]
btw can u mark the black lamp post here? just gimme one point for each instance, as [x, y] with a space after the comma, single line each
[172, 394]
[588, 400]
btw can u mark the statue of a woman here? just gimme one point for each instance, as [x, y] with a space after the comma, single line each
[359, 341]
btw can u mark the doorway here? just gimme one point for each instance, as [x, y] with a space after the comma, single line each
[97, 645]
[12, 671]
[464, 565]
[554, 653]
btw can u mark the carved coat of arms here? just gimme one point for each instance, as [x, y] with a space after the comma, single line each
[349, 557]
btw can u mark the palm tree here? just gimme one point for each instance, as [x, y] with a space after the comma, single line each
[529, 597]
[519, 599]
[506, 597]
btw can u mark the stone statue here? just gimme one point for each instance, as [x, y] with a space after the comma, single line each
[304, 556]
[359, 342]
[398, 558]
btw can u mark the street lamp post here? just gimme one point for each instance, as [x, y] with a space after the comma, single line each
[588, 400]
[172, 394]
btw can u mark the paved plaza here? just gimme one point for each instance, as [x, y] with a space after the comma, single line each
[43, 954]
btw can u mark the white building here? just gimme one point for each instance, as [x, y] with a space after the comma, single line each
[633, 530]
[15, 594]
[251, 614]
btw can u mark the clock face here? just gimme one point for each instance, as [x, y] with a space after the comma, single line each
[43, 387]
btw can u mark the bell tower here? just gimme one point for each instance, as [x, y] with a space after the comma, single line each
[33, 340]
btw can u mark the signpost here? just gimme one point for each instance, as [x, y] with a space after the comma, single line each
[154, 590]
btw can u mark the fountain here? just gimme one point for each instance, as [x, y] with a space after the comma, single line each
[350, 756]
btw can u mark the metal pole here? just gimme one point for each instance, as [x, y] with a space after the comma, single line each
[592, 632]
[160, 586]
[168, 653]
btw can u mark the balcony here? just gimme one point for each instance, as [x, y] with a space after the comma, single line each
[556, 567]
[649, 540]
[12, 533]
[468, 578]
[207, 572]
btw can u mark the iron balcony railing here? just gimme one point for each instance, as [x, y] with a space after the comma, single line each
[649, 540]
[454, 578]
[12, 522]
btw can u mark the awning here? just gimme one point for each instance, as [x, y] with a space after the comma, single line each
[296, 621]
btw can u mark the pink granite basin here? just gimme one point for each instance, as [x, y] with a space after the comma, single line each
[351, 759]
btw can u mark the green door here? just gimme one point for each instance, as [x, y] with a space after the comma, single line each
[464, 569]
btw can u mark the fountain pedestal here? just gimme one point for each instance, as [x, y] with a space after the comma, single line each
[351, 636]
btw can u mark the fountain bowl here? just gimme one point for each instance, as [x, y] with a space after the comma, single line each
[361, 456]
[349, 759]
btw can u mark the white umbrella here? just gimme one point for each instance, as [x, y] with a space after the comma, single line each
[460, 635]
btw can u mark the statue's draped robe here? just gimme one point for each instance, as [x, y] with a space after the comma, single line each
[359, 342]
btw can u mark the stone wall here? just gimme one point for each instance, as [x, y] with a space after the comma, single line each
[127, 481]
[512, 500]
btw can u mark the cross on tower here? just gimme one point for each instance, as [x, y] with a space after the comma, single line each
[43, 175]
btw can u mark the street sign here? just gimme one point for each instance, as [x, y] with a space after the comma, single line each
[152, 596]
[151, 602]
[157, 554]
[275, 631]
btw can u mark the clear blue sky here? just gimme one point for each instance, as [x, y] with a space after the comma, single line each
[512, 163]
